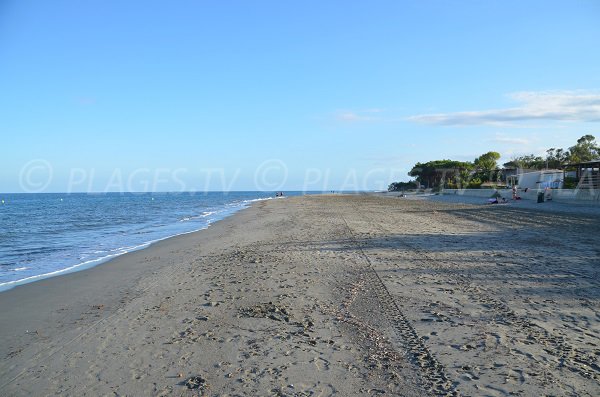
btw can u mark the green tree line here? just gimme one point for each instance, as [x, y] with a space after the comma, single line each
[472, 174]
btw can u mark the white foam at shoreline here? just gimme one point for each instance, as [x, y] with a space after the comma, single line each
[230, 209]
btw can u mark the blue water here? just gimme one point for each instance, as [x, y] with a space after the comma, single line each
[43, 235]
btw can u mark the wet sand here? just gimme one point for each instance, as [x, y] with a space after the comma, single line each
[324, 295]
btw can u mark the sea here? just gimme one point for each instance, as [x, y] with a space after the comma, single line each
[49, 234]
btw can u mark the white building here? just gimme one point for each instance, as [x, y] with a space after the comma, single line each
[538, 180]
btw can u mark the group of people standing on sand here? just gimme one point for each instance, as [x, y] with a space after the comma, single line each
[278, 194]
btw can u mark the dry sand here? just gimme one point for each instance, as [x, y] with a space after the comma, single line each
[324, 295]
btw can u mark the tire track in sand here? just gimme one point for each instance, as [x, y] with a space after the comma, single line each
[568, 355]
[431, 371]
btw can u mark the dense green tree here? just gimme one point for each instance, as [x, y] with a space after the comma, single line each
[530, 161]
[586, 149]
[434, 173]
[487, 161]
[557, 158]
[401, 186]
[487, 167]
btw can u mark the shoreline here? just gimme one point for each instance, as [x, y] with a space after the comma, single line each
[53, 284]
[91, 263]
[331, 295]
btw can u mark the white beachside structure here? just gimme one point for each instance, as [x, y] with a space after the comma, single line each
[538, 180]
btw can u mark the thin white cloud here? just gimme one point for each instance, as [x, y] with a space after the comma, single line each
[352, 117]
[550, 105]
[358, 116]
[510, 140]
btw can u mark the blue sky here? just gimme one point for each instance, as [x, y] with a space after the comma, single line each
[246, 95]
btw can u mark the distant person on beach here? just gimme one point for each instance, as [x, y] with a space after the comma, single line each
[497, 200]
[515, 193]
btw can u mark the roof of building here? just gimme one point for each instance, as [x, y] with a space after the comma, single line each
[597, 161]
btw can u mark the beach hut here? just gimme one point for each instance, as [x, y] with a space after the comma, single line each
[511, 175]
[540, 180]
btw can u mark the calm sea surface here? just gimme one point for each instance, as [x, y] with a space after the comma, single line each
[43, 235]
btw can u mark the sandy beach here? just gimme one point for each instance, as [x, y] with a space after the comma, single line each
[320, 296]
